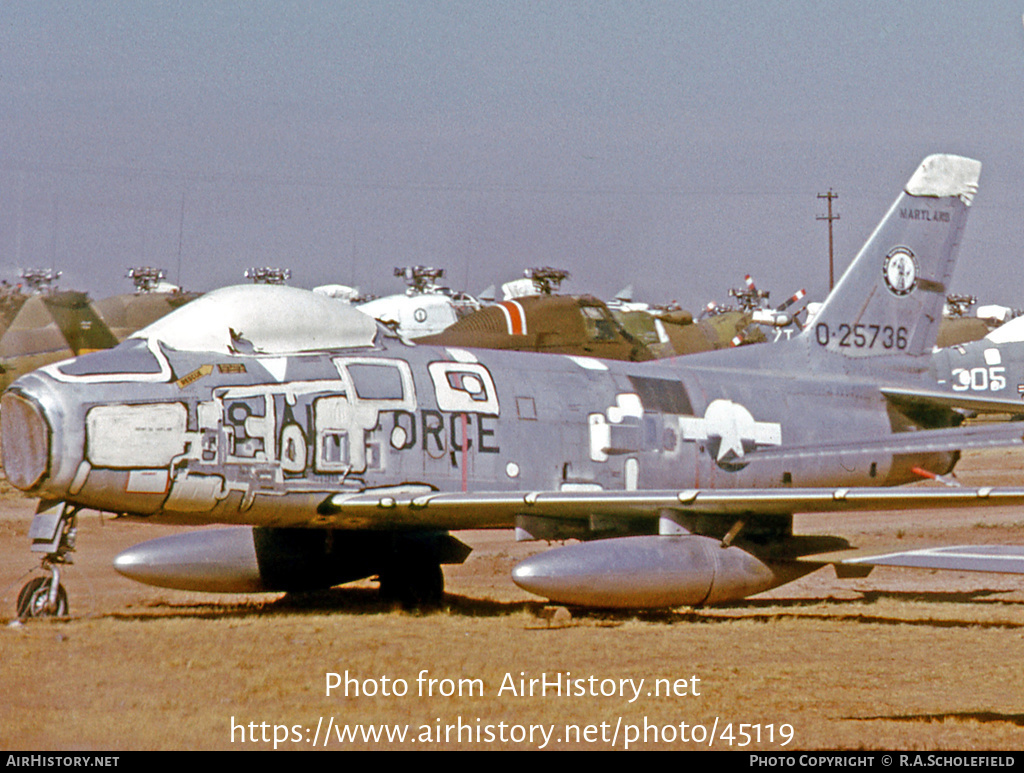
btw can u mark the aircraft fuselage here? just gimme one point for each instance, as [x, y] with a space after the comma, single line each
[193, 437]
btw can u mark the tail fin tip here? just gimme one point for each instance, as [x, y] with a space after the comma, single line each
[943, 175]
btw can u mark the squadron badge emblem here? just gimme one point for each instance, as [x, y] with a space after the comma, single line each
[900, 271]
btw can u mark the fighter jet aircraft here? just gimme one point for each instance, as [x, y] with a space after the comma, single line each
[337, 451]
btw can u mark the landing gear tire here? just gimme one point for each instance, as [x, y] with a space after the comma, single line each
[34, 600]
[417, 585]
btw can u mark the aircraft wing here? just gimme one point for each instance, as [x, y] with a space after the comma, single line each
[938, 399]
[1006, 559]
[472, 510]
[418, 505]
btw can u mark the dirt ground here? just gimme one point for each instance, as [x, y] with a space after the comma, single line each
[901, 659]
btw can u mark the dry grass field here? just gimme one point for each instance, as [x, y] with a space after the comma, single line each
[902, 659]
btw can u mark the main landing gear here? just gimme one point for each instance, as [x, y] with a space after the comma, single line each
[417, 583]
[53, 534]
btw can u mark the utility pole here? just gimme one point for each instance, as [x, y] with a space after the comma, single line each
[830, 217]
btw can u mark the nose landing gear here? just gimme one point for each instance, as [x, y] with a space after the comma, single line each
[43, 597]
[52, 533]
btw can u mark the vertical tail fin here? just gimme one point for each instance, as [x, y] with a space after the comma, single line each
[890, 299]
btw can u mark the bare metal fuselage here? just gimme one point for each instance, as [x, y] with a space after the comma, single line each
[200, 437]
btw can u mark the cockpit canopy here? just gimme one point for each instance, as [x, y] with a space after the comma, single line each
[262, 319]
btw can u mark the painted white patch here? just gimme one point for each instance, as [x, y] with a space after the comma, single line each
[600, 436]
[147, 482]
[461, 355]
[580, 487]
[626, 405]
[81, 474]
[293, 449]
[195, 493]
[588, 363]
[733, 424]
[333, 453]
[399, 437]
[946, 175]
[263, 427]
[464, 388]
[992, 357]
[512, 470]
[667, 527]
[135, 435]
[632, 473]
[209, 414]
[276, 366]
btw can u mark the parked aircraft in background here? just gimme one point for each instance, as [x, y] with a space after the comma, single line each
[977, 377]
[337, 451]
[959, 326]
[153, 298]
[426, 308]
[46, 325]
[779, 323]
[268, 275]
[533, 318]
[583, 325]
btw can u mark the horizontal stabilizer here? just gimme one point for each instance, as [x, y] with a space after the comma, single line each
[937, 399]
[1006, 559]
[974, 437]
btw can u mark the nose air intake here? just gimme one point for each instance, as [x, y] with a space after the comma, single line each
[24, 440]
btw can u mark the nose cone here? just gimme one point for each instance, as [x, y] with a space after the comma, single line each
[24, 440]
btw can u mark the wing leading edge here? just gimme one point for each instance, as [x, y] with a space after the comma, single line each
[459, 510]
[419, 505]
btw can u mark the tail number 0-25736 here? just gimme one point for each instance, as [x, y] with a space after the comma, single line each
[862, 336]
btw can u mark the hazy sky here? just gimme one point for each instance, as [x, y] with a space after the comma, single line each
[672, 145]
